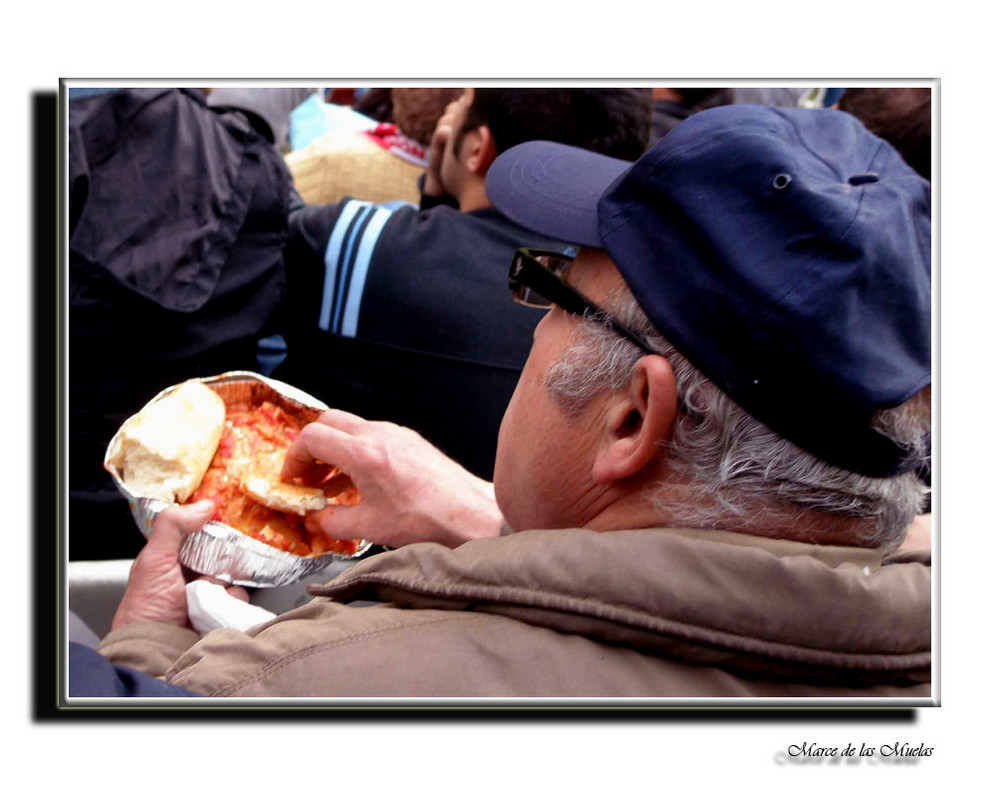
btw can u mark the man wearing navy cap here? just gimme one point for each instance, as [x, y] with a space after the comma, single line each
[708, 464]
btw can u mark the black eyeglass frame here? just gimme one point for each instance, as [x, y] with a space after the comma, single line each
[527, 271]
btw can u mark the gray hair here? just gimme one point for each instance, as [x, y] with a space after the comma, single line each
[736, 466]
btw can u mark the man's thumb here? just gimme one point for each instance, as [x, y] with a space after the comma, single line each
[174, 524]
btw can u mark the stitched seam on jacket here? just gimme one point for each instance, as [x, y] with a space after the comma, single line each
[646, 622]
[279, 663]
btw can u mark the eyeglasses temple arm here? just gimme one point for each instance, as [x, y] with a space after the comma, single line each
[558, 291]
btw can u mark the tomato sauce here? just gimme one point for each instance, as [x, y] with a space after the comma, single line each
[251, 432]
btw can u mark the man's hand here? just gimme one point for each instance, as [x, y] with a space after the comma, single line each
[156, 584]
[410, 491]
[433, 185]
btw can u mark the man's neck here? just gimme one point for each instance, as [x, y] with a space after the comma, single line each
[636, 510]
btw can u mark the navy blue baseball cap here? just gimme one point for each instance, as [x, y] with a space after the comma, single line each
[785, 252]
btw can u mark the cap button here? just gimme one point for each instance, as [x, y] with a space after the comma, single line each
[865, 177]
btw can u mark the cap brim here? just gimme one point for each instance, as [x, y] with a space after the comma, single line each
[553, 189]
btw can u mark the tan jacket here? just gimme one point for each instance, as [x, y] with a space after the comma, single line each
[344, 164]
[573, 613]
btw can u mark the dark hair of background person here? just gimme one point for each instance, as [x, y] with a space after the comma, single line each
[702, 97]
[900, 115]
[416, 110]
[612, 121]
[376, 103]
[673, 105]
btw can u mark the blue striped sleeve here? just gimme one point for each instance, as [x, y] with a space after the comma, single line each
[347, 259]
[359, 272]
[333, 257]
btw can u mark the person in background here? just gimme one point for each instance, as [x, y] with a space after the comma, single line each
[706, 468]
[273, 104]
[671, 105]
[380, 164]
[177, 223]
[416, 110]
[789, 96]
[401, 314]
[374, 102]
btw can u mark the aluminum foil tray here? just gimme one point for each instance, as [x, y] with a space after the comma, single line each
[217, 549]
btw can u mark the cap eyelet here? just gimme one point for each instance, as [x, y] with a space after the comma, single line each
[782, 181]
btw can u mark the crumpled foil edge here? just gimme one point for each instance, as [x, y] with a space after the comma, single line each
[225, 553]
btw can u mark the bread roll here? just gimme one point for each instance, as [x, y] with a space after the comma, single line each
[260, 479]
[165, 448]
[285, 497]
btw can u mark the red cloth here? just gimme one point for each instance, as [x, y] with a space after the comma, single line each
[388, 136]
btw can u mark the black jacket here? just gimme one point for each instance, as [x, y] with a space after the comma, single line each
[178, 220]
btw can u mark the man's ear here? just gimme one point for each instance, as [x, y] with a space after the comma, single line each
[481, 150]
[638, 419]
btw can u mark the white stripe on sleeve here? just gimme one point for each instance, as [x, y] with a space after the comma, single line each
[332, 256]
[359, 275]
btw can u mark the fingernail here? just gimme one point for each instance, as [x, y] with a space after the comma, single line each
[203, 506]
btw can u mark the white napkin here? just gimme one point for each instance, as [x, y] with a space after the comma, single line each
[211, 607]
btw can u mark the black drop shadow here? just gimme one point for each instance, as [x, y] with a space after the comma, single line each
[47, 447]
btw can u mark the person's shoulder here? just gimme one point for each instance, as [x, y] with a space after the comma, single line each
[319, 223]
[428, 227]
[493, 225]
[484, 221]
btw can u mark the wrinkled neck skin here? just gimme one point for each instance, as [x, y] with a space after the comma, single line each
[631, 507]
